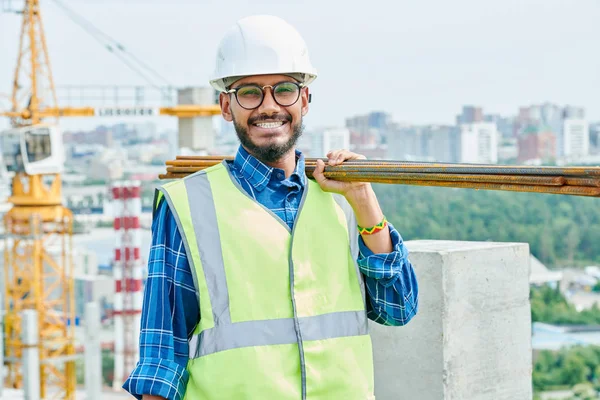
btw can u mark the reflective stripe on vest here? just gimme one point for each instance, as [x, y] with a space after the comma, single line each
[194, 206]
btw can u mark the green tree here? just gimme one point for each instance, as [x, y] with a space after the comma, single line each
[572, 241]
[557, 228]
[108, 367]
[546, 246]
[574, 370]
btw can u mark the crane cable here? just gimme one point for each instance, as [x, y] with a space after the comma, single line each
[112, 45]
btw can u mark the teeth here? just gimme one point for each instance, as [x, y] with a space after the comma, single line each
[270, 125]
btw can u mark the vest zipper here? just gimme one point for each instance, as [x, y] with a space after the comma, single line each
[296, 321]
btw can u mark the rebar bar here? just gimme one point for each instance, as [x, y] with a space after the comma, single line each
[576, 180]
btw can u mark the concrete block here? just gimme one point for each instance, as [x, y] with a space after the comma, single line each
[471, 338]
[196, 133]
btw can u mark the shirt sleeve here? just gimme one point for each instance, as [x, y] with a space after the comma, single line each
[392, 289]
[170, 312]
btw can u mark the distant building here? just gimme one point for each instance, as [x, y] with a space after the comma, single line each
[365, 138]
[108, 165]
[424, 143]
[469, 115]
[102, 135]
[574, 140]
[535, 145]
[323, 141]
[144, 131]
[556, 337]
[540, 275]
[371, 128]
[584, 300]
[567, 123]
[373, 152]
[577, 280]
[544, 117]
[373, 120]
[595, 138]
[358, 123]
[379, 120]
[440, 143]
[508, 149]
[505, 125]
[479, 143]
[404, 143]
[572, 112]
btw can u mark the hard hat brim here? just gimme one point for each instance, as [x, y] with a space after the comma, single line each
[222, 84]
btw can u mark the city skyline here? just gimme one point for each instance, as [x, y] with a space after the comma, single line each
[402, 58]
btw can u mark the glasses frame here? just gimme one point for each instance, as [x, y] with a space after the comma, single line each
[262, 88]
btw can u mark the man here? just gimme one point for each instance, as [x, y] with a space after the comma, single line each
[257, 274]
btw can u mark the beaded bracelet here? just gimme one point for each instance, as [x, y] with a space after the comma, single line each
[374, 229]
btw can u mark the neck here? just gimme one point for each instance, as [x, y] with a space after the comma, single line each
[287, 163]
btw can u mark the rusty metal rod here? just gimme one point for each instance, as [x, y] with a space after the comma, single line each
[579, 181]
[420, 167]
[569, 181]
[420, 179]
[568, 190]
[371, 175]
[407, 176]
[368, 174]
[564, 190]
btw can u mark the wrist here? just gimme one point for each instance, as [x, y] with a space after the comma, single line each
[373, 230]
[364, 202]
[359, 195]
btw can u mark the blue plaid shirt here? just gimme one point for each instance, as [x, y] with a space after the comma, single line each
[171, 312]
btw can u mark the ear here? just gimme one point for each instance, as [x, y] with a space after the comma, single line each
[305, 98]
[225, 103]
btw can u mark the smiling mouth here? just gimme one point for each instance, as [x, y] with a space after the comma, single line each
[270, 125]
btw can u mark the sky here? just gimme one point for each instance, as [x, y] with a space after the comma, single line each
[418, 60]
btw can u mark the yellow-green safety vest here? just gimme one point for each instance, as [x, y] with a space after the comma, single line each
[283, 312]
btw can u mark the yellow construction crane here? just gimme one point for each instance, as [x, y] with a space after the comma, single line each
[38, 229]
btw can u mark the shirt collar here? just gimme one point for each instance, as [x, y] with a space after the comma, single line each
[258, 174]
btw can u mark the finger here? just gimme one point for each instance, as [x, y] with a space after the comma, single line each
[353, 156]
[318, 173]
[333, 157]
[341, 155]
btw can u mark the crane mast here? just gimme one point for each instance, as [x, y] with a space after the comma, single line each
[37, 255]
[38, 270]
[33, 85]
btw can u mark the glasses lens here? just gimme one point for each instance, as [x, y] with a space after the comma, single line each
[286, 93]
[249, 96]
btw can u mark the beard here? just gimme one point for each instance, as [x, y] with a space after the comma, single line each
[273, 151]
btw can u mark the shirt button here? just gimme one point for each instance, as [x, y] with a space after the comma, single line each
[279, 175]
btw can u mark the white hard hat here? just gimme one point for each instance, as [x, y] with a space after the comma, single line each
[259, 45]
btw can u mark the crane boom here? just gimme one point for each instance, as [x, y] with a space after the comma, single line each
[179, 111]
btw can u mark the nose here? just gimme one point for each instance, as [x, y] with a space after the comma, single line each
[269, 105]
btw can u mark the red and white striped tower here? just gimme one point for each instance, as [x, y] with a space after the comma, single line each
[128, 278]
[133, 273]
[118, 209]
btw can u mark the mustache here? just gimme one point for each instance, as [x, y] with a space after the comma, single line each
[264, 117]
